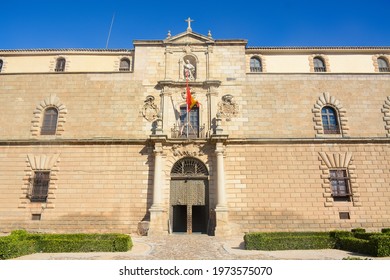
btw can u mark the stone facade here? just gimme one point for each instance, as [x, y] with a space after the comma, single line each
[261, 158]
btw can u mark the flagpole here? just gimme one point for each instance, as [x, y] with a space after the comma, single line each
[188, 112]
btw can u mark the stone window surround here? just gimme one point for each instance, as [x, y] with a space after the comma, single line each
[327, 100]
[262, 60]
[332, 161]
[36, 123]
[375, 61]
[324, 58]
[43, 162]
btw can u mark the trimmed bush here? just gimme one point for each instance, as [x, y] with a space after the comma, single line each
[356, 230]
[386, 230]
[380, 245]
[288, 241]
[354, 244]
[15, 245]
[21, 243]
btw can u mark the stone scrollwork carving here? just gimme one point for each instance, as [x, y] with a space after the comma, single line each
[187, 150]
[228, 107]
[149, 110]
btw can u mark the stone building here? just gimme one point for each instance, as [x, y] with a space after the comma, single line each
[282, 139]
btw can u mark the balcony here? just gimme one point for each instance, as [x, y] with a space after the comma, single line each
[194, 132]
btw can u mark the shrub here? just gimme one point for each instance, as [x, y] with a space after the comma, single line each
[12, 247]
[20, 243]
[356, 230]
[288, 241]
[354, 244]
[386, 230]
[380, 245]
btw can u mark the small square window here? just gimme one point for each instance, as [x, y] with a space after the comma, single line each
[36, 217]
[344, 215]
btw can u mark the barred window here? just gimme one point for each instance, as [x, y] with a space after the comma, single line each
[49, 123]
[40, 186]
[319, 64]
[330, 120]
[383, 65]
[124, 64]
[255, 65]
[60, 64]
[339, 182]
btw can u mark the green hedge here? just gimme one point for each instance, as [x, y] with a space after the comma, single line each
[288, 241]
[21, 243]
[373, 243]
[386, 230]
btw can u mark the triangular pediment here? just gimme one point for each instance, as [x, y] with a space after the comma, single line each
[189, 37]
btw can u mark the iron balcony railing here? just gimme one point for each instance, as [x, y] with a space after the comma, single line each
[180, 131]
[331, 129]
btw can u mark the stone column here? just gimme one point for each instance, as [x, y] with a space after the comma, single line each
[157, 215]
[221, 211]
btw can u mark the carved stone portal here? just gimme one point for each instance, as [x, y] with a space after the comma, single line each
[228, 108]
[149, 110]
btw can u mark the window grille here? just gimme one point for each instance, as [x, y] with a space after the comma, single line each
[49, 123]
[60, 65]
[189, 167]
[255, 65]
[330, 121]
[39, 186]
[339, 182]
[383, 65]
[319, 65]
[124, 65]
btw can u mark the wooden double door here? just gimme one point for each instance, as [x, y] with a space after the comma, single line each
[189, 205]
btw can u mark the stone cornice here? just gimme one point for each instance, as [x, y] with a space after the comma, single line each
[228, 141]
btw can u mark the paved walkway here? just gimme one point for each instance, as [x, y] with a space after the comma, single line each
[196, 247]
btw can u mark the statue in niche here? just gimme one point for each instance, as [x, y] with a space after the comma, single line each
[189, 68]
[149, 110]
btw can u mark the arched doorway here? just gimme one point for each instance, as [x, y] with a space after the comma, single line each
[189, 197]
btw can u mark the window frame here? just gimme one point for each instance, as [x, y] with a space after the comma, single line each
[335, 180]
[121, 67]
[1, 65]
[384, 61]
[319, 68]
[60, 64]
[194, 122]
[255, 68]
[49, 127]
[39, 186]
[327, 128]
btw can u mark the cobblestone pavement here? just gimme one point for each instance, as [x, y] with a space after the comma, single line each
[195, 247]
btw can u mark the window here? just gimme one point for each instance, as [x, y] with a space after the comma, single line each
[339, 182]
[1, 65]
[329, 120]
[60, 64]
[383, 66]
[255, 64]
[49, 123]
[319, 65]
[193, 123]
[124, 64]
[40, 186]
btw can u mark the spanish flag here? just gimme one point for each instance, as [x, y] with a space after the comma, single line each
[191, 102]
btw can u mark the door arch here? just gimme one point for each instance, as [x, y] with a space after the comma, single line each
[189, 197]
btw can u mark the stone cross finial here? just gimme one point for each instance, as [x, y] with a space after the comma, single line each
[189, 20]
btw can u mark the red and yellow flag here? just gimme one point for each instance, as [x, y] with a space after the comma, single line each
[191, 102]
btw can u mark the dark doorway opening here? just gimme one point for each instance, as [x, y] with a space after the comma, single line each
[199, 219]
[179, 218]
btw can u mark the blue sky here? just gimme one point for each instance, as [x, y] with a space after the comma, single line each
[86, 23]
